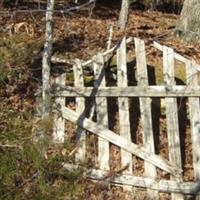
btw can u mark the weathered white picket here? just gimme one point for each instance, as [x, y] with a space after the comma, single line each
[101, 111]
[145, 109]
[59, 122]
[123, 104]
[80, 106]
[194, 111]
[172, 114]
[169, 90]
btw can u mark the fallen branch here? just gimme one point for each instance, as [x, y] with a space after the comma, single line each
[11, 146]
[55, 59]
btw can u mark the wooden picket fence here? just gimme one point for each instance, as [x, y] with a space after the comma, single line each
[100, 92]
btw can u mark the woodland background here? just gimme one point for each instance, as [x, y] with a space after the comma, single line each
[31, 168]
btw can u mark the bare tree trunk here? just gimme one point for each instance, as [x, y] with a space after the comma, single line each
[123, 17]
[46, 61]
[40, 138]
[189, 24]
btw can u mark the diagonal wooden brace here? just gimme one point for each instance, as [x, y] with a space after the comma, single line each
[121, 142]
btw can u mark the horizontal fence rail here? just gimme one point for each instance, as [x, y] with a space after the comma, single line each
[130, 91]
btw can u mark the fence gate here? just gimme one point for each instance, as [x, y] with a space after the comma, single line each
[137, 118]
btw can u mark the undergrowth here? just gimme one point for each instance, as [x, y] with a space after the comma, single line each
[30, 168]
[17, 54]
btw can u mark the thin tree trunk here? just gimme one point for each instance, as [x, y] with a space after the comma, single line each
[123, 17]
[46, 61]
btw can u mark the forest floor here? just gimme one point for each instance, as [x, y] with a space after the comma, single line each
[77, 35]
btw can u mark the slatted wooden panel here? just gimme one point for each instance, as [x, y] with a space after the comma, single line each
[145, 109]
[80, 106]
[59, 122]
[101, 111]
[194, 110]
[123, 104]
[170, 91]
[174, 144]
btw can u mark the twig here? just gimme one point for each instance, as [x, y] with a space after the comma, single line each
[75, 8]
[10, 146]
[73, 152]
[110, 37]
